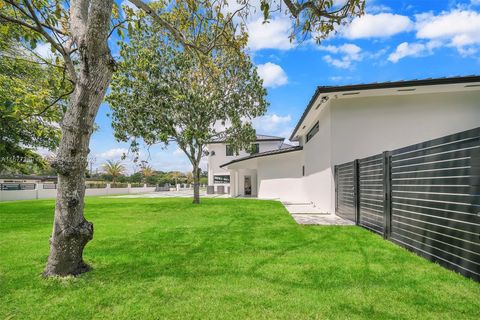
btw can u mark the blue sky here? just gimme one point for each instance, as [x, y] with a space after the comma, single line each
[395, 40]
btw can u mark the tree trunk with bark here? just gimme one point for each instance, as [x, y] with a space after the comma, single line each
[196, 184]
[89, 26]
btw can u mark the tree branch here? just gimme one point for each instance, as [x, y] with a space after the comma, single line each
[25, 13]
[118, 25]
[68, 61]
[177, 34]
[66, 94]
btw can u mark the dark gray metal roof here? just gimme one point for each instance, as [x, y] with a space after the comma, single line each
[264, 154]
[383, 85]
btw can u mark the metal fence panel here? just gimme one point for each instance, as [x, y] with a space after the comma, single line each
[424, 197]
[435, 204]
[371, 193]
[345, 195]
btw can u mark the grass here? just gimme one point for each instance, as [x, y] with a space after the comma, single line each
[225, 259]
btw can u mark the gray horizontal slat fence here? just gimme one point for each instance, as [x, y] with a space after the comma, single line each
[424, 197]
[345, 197]
[436, 201]
[371, 193]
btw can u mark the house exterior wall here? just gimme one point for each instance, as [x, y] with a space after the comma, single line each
[367, 126]
[318, 172]
[280, 177]
[241, 173]
[357, 127]
[361, 127]
[220, 158]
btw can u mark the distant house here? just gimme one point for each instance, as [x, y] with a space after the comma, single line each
[219, 153]
[343, 123]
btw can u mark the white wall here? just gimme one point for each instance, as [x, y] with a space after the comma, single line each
[366, 126]
[40, 193]
[241, 181]
[279, 177]
[318, 171]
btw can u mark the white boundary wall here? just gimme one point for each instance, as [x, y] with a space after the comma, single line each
[40, 193]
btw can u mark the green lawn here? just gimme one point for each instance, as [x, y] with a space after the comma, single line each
[234, 259]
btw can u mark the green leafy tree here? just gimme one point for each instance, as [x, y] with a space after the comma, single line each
[114, 169]
[175, 176]
[161, 93]
[32, 89]
[147, 172]
[78, 31]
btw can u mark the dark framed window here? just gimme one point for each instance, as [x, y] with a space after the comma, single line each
[228, 150]
[221, 179]
[255, 148]
[313, 131]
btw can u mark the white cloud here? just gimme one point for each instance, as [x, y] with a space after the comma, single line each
[271, 123]
[406, 49]
[272, 74]
[271, 35]
[377, 8]
[346, 54]
[458, 28]
[377, 26]
[44, 50]
[178, 152]
[111, 154]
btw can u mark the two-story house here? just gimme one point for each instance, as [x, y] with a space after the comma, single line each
[220, 153]
[344, 123]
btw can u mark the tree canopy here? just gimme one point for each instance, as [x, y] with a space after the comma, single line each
[32, 101]
[162, 93]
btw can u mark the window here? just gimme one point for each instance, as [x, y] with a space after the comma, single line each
[255, 148]
[229, 150]
[303, 171]
[221, 179]
[312, 131]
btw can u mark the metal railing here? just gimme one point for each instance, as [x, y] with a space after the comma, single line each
[16, 186]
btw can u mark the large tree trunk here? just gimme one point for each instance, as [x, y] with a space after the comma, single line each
[196, 184]
[71, 231]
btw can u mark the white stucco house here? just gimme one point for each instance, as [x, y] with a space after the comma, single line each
[343, 123]
[220, 153]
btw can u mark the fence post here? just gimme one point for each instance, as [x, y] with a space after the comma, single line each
[356, 191]
[387, 198]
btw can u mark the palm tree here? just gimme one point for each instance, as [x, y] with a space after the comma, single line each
[175, 175]
[114, 169]
[147, 171]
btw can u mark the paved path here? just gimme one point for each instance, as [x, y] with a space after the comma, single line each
[304, 213]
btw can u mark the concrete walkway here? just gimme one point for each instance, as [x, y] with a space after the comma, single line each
[307, 213]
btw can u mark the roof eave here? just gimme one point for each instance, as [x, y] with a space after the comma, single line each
[262, 154]
[380, 85]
